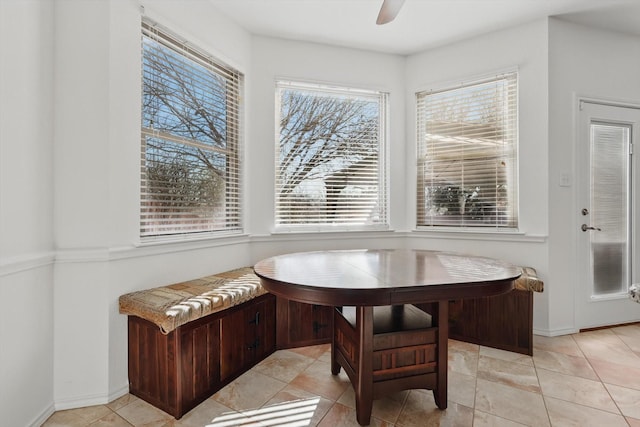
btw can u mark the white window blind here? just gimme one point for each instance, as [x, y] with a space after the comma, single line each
[467, 155]
[330, 166]
[190, 164]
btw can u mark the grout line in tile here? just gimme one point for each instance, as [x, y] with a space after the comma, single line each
[544, 401]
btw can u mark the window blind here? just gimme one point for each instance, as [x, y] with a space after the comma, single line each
[330, 166]
[467, 140]
[190, 157]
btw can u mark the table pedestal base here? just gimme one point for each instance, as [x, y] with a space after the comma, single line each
[391, 348]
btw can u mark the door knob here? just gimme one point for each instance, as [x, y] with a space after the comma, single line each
[585, 227]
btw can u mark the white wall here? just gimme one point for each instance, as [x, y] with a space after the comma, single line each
[587, 62]
[524, 48]
[81, 138]
[26, 227]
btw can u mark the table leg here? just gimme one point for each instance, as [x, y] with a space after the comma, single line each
[440, 392]
[364, 386]
[335, 366]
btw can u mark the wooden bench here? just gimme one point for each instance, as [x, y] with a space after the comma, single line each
[504, 321]
[190, 339]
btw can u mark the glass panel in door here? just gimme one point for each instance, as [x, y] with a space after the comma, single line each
[609, 216]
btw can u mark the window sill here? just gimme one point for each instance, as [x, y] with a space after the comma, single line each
[341, 229]
[318, 235]
[475, 234]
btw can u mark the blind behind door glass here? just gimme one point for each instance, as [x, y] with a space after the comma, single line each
[609, 207]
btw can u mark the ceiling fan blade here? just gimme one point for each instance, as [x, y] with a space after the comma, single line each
[388, 11]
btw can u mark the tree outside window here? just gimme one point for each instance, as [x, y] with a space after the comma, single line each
[330, 156]
[190, 139]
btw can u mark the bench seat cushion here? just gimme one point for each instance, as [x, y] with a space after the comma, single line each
[529, 281]
[180, 303]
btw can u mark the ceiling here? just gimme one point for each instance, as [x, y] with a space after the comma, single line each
[421, 24]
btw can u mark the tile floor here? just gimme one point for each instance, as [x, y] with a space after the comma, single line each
[587, 379]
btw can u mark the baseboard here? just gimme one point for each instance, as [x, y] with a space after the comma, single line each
[568, 331]
[98, 399]
[43, 416]
[81, 402]
[119, 392]
[554, 332]
[596, 328]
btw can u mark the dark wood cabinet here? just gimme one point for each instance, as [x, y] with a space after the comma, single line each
[300, 324]
[200, 346]
[233, 351]
[264, 321]
[177, 371]
[247, 335]
[503, 321]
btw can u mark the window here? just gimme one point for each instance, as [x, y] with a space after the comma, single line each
[190, 165]
[330, 147]
[467, 155]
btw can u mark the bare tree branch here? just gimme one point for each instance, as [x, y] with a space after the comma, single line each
[316, 130]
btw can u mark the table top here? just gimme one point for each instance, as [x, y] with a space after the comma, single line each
[384, 276]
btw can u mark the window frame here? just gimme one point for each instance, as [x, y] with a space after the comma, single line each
[424, 221]
[232, 150]
[382, 181]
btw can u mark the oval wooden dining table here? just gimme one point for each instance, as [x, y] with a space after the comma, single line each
[364, 279]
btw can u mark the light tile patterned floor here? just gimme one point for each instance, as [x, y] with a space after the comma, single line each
[587, 379]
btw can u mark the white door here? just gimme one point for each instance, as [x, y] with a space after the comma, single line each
[608, 209]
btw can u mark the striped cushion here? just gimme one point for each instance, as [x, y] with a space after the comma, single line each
[180, 303]
[529, 281]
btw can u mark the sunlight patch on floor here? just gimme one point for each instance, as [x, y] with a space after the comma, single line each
[297, 413]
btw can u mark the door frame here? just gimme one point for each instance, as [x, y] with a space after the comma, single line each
[580, 292]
